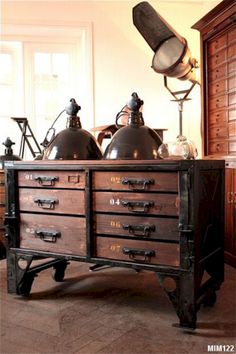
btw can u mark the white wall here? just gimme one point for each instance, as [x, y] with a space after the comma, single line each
[121, 57]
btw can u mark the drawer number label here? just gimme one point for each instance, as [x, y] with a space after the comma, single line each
[115, 179]
[29, 177]
[114, 201]
[115, 248]
[29, 230]
[115, 224]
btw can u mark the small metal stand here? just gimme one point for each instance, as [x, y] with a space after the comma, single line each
[180, 101]
[27, 133]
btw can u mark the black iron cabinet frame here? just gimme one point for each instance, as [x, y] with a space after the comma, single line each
[162, 216]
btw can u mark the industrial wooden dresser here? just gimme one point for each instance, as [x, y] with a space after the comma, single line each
[162, 216]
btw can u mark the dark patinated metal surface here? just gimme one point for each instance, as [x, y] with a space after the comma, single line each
[135, 141]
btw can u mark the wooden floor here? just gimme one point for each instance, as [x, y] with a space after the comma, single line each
[114, 311]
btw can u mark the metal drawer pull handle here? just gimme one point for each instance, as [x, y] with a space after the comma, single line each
[135, 253]
[46, 203]
[133, 183]
[46, 180]
[139, 230]
[47, 235]
[137, 206]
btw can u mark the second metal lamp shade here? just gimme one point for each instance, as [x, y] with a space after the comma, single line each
[135, 141]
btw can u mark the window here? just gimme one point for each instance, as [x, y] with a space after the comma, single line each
[39, 74]
[11, 86]
[50, 82]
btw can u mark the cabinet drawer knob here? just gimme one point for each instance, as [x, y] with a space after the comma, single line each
[46, 180]
[137, 183]
[47, 235]
[46, 203]
[135, 254]
[139, 230]
[137, 206]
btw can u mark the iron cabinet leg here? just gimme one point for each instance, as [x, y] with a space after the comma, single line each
[21, 275]
[58, 272]
[180, 290]
[19, 281]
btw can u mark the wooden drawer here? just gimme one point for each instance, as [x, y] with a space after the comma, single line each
[231, 51]
[232, 83]
[218, 132]
[232, 114]
[232, 67]
[136, 203]
[217, 87]
[153, 181]
[218, 117]
[218, 58]
[218, 73]
[232, 98]
[219, 147]
[232, 35]
[2, 195]
[232, 130]
[64, 234]
[232, 147]
[137, 226]
[52, 201]
[2, 177]
[137, 251]
[2, 215]
[219, 102]
[217, 44]
[52, 179]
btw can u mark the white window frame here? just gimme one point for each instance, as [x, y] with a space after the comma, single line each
[80, 36]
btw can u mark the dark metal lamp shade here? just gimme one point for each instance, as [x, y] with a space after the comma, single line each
[135, 141]
[73, 143]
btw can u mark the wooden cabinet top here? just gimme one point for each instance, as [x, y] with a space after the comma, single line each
[115, 164]
[224, 11]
